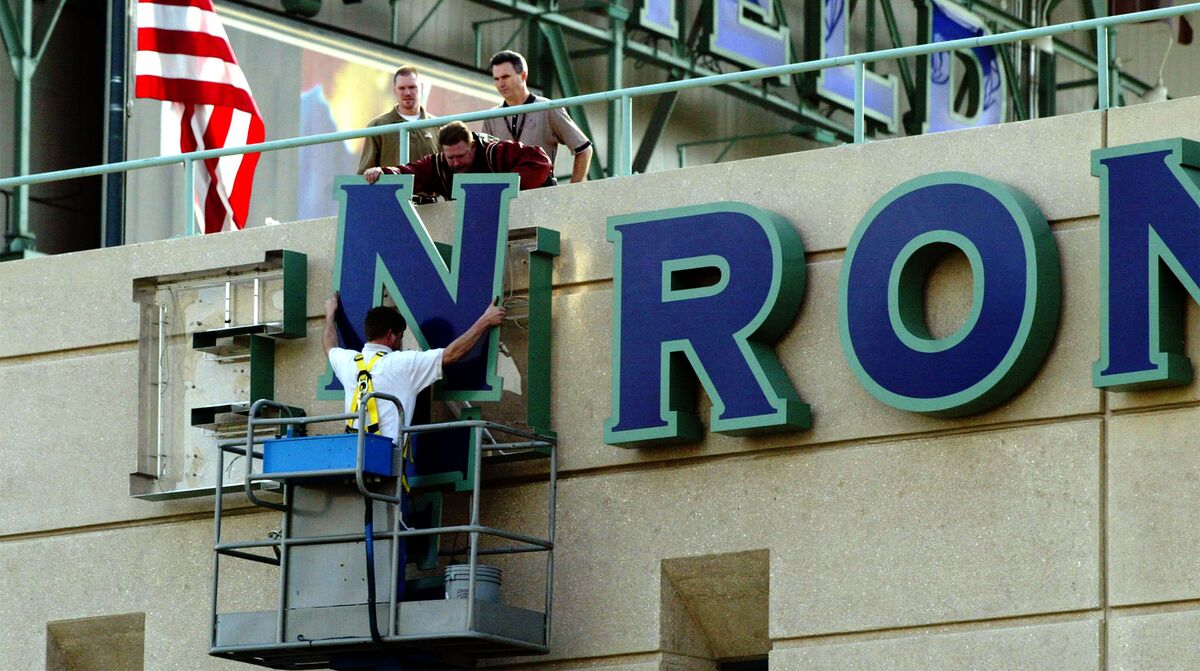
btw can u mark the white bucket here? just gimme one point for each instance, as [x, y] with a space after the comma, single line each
[487, 582]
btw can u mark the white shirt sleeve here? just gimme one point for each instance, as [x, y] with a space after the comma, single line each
[426, 368]
[342, 361]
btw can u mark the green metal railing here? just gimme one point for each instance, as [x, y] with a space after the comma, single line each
[621, 156]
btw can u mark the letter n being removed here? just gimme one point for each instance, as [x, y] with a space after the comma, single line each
[1149, 261]
[701, 294]
[382, 243]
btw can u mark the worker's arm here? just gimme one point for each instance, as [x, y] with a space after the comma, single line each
[583, 160]
[329, 338]
[529, 162]
[463, 343]
[421, 169]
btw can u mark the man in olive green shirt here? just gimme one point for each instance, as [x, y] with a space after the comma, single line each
[384, 150]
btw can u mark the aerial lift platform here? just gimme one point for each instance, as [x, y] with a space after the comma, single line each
[337, 603]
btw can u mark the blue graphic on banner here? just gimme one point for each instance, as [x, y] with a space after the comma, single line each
[382, 243]
[1016, 294]
[1149, 260]
[944, 21]
[747, 32]
[706, 289]
[658, 16]
[321, 161]
[880, 93]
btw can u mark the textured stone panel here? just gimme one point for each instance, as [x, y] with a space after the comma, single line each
[86, 298]
[1154, 495]
[162, 571]
[1157, 121]
[1153, 642]
[862, 537]
[1065, 646]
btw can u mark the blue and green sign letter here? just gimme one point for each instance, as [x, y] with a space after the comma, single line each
[704, 290]
[1149, 256]
[382, 243]
[1015, 301]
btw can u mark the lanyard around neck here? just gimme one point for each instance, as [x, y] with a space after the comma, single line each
[516, 122]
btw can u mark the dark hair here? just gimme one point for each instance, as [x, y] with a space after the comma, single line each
[382, 320]
[506, 56]
[405, 71]
[453, 133]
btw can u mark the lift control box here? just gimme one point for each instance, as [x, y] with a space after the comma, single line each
[332, 454]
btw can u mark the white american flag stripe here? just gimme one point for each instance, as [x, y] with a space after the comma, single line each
[188, 19]
[196, 68]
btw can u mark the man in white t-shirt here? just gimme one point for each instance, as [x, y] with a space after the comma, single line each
[401, 373]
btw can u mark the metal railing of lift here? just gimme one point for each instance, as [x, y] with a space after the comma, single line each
[623, 152]
[525, 440]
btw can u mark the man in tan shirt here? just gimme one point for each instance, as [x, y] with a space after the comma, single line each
[546, 129]
[384, 150]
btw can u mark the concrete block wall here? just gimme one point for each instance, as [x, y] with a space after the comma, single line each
[1055, 531]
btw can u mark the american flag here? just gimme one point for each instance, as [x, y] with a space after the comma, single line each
[184, 57]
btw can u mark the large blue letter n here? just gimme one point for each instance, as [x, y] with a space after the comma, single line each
[704, 290]
[1149, 260]
[383, 244]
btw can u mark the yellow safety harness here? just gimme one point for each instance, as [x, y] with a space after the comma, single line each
[365, 385]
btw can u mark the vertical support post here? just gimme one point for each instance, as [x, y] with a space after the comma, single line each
[618, 15]
[189, 197]
[285, 535]
[21, 239]
[624, 147]
[395, 39]
[859, 104]
[404, 146]
[550, 526]
[1102, 72]
[478, 46]
[215, 584]
[476, 479]
[113, 192]
[541, 287]
[1115, 97]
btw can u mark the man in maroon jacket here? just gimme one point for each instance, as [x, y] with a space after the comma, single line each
[463, 152]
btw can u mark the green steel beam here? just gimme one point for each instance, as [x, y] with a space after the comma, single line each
[870, 29]
[557, 45]
[1014, 87]
[11, 34]
[654, 129]
[1061, 47]
[421, 24]
[1047, 86]
[906, 77]
[618, 15]
[46, 28]
[815, 134]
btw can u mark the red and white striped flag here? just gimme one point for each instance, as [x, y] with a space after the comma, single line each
[184, 57]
